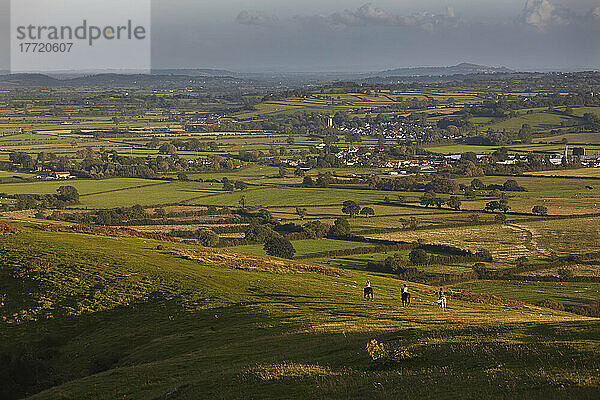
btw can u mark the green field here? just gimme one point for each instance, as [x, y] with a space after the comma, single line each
[564, 292]
[84, 187]
[304, 247]
[579, 173]
[284, 196]
[537, 120]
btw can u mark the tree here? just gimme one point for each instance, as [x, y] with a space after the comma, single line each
[68, 194]
[504, 207]
[477, 184]
[565, 274]
[469, 156]
[160, 213]
[301, 212]
[182, 176]
[340, 228]
[227, 185]
[351, 208]
[540, 210]
[308, 182]
[167, 148]
[484, 255]
[241, 185]
[525, 133]
[279, 246]
[208, 238]
[242, 202]
[258, 233]
[282, 172]
[494, 205]
[323, 180]
[315, 229]
[418, 257]
[23, 159]
[392, 264]
[367, 211]
[454, 203]
[443, 185]
[429, 199]
[512, 185]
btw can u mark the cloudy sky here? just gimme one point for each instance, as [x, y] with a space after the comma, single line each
[300, 35]
[354, 35]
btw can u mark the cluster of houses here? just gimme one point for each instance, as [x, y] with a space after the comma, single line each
[351, 156]
[397, 131]
[55, 175]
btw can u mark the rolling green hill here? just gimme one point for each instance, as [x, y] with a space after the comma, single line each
[105, 315]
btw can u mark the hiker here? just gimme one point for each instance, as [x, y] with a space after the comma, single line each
[442, 299]
[405, 296]
[368, 291]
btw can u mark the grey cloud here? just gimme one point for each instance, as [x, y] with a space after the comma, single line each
[253, 17]
[542, 14]
[368, 14]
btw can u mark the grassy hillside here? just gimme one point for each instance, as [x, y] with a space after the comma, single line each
[117, 317]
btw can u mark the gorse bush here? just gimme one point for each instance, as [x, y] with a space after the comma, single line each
[377, 350]
[387, 353]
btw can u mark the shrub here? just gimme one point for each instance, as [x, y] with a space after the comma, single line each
[540, 210]
[340, 228]
[484, 255]
[279, 247]
[351, 208]
[418, 257]
[377, 350]
[258, 233]
[367, 211]
[565, 274]
[208, 238]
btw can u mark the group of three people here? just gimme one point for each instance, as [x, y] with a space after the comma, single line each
[404, 292]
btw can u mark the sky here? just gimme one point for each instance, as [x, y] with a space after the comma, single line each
[357, 36]
[337, 35]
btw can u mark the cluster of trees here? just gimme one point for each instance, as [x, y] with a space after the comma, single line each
[352, 208]
[230, 186]
[416, 183]
[500, 205]
[88, 163]
[430, 199]
[65, 196]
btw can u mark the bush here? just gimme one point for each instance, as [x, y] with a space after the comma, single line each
[565, 274]
[340, 228]
[540, 210]
[278, 246]
[418, 257]
[377, 350]
[484, 255]
[208, 238]
[258, 233]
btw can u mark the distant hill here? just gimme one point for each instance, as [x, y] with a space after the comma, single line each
[460, 69]
[193, 72]
[111, 79]
[27, 80]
